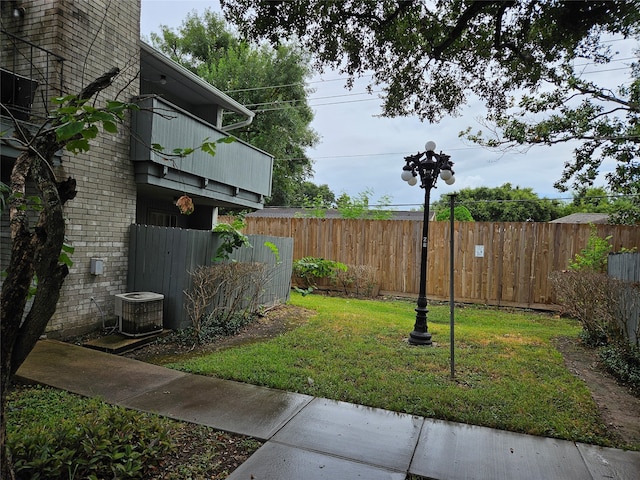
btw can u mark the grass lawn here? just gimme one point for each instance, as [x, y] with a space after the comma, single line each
[508, 374]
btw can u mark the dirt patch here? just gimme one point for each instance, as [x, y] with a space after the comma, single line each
[619, 408]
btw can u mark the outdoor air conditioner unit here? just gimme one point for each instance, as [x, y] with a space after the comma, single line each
[139, 313]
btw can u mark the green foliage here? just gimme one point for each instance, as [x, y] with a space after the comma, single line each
[304, 291]
[594, 256]
[523, 60]
[620, 209]
[590, 200]
[623, 361]
[268, 80]
[274, 249]
[5, 191]
[77, 121]
[316, 197]
[315, 208]
[56, 435]
[315, 200]
[206, 146]
[504, 204]
[460, 214]
[231, 237]
[312, 269]
[358, 207]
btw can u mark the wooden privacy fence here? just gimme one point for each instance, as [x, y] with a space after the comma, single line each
[495, 263]
[160, 260]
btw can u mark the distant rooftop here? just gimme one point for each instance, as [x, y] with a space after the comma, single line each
[281, 212]
[583, 218]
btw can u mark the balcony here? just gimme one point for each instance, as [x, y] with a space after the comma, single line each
[238, 176]
[29, 76]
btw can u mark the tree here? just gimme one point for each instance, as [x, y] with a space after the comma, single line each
[430, 57]
[358, 207]
[269, 80]
[312, 195]
[35, 252]
[504, 204]
[460, 214]
[39, 255]
[623, 210]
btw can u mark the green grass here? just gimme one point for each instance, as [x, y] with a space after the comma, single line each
[508, 374]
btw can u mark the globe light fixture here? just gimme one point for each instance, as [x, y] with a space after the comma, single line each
[427, 166]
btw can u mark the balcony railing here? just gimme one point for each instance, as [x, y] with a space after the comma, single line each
[30, 76]
[238, 175]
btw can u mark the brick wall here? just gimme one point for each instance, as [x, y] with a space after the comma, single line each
[93, 36]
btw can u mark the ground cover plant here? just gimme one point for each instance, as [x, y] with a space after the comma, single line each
[53, 434]
[508, 373]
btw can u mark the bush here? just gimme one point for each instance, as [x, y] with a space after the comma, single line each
[102, 441]
[623, 361]
[594, 300]
[312, 269]
[224, 297]
[594, 256]
[358, 279]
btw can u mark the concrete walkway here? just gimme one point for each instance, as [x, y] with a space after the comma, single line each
[315, 438]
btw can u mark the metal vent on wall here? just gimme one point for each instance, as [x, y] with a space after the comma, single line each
[139, 313]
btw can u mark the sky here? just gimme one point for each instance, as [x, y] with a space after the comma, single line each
[360, 151]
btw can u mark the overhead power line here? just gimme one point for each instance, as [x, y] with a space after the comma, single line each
[338, 79]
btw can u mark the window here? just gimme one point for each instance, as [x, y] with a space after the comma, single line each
[161, 219]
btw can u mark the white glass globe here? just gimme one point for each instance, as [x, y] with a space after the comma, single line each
[406, 175]
[451, 181]
[412, 181]
[430, 146]
[446, 174]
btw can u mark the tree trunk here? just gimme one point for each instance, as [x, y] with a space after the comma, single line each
[34, 251]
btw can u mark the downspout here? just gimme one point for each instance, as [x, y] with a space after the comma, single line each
[237, 125]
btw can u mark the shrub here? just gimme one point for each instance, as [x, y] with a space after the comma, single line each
[312, 269]
[623, 361]
[593, 299]
[594, 256]
[601, 303]
[359, 279]
[224, 297]
[102, 441]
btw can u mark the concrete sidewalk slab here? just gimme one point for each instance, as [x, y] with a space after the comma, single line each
[448, 451]
[283, 462]
[378, 437]
[316, 438]
[610, 462]
[92, 373]
[232, 406]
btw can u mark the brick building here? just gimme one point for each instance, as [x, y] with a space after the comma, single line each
[56, 47]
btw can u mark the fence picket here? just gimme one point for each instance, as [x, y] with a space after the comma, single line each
[161, 259]
[518, 257]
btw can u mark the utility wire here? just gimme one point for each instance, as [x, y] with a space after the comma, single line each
[338, 79]
[467, 202]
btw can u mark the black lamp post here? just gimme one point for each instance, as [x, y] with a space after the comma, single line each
[427, 165]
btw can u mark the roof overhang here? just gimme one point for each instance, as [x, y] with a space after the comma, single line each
[154, 66]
